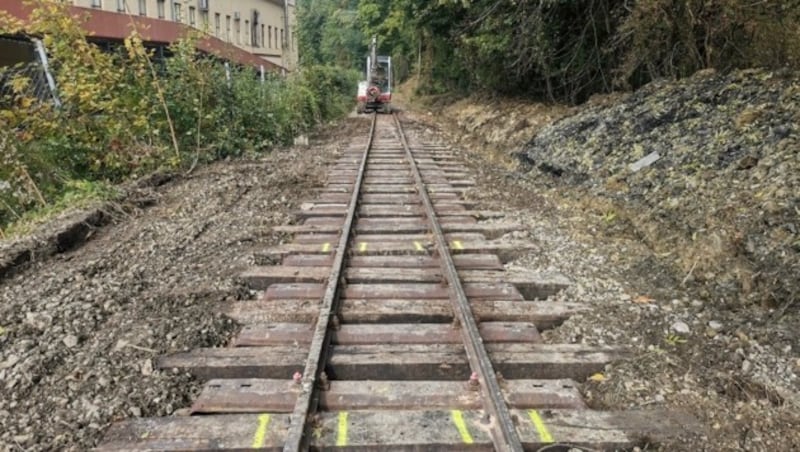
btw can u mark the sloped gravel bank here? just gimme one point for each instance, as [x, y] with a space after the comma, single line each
[723, 194]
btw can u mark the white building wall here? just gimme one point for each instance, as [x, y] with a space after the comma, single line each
[257, 26]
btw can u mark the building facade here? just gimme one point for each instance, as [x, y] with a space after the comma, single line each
[261, 27]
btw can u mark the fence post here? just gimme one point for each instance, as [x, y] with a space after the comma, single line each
[262, 73]
[51, 82]
[228, 73]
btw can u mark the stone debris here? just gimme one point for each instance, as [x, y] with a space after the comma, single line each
[680, 327]
[80, 329]
[717, 181]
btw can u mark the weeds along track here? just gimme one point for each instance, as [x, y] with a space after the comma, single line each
[390, 323]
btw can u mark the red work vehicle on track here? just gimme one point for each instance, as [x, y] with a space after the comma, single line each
[375, 93]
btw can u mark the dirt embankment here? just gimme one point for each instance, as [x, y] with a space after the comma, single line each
[694, 251]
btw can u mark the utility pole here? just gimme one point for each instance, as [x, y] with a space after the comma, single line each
[373, 59]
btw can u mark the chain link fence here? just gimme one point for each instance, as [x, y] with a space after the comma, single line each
[23, 71]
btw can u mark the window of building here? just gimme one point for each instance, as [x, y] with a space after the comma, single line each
[228, 28]
[204, 20]
[269, 37]
[254, 30]
[263, 43]
[277, 44]
[121, 6]
[160, 7]
[237, 30]
[97, 3]
[247, 31]
[192, 16]
[142, 7]
[176, 11]
[281, 38]
[216, 25]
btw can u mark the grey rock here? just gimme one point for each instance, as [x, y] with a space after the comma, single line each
[22, 439]
[70, 340]
[146, 367]
[10, 361]
[680, 327]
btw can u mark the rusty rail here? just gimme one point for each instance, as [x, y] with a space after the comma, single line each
[318, 351]
[504, 435]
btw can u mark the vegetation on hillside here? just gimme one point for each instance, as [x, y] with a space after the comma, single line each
[562, 50]
[124, 114]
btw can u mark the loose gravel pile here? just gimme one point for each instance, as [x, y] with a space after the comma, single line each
[709, 168]
[79, 331]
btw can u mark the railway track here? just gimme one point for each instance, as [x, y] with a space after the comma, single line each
[390, 323]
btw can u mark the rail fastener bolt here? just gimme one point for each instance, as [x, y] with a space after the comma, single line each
[324, 383]
[474, 382]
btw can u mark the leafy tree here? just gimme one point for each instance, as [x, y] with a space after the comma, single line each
[562, 50]
[119, 117]
[329, 33]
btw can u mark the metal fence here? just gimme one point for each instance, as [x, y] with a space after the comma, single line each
[30, 77]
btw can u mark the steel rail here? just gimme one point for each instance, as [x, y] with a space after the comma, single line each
[308, 399]
[507, 439]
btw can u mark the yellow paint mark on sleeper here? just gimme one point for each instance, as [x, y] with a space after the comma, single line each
[326, 247]
[419, 246]
[341, 437]
[261, 431]
[544, 434]
[458, 245]
[458, 419]
[362, 247]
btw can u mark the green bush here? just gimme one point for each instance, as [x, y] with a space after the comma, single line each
[124, 115]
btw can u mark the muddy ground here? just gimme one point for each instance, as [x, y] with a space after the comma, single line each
[80, 329]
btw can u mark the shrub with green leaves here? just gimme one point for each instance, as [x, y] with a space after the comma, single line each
[124, 114]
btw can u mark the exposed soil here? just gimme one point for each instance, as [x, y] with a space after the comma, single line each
[79, 330]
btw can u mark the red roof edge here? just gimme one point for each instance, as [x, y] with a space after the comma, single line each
[118, 26]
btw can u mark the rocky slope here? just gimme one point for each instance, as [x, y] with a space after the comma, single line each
[709, 169]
